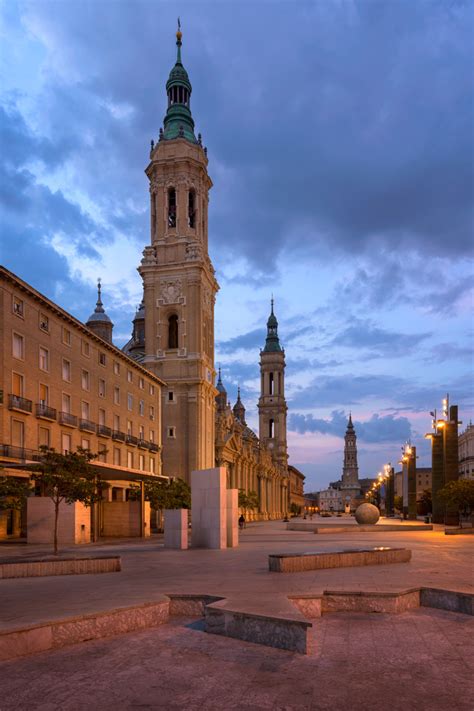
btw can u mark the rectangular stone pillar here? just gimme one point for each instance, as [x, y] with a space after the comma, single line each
[232, 516]
[209, 508]
[412, 484]
[437, 476]
[74, 523]
[451, 460]
[176, 528]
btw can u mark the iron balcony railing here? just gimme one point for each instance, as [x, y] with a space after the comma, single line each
[13, 452]
[131, 439]
[142, 443]
[119, 436]
[65, 418]
[104, 431]
[87, 425]
[44, 411]
[15, 402]
[153, 447]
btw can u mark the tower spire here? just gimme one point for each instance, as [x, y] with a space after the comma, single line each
[272, 342]
[178, 122]
[99, 307]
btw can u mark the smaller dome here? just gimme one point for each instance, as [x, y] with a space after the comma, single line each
[98, 315]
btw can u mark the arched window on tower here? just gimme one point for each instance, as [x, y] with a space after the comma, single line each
[271, 383]
[171, 207]
[173, 331]
[192, 209]
[271, 428]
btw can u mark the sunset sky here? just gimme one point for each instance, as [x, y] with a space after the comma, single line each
[339, 137]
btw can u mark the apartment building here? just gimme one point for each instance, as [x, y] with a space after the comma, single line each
[64, 386]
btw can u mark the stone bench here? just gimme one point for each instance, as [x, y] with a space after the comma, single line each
[38, 567]
[299, 562]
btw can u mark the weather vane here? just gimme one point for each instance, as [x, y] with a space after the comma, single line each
[179, 24]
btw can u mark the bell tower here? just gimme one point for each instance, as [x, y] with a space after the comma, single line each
[272, 407]
[180, 285]
[350, 470]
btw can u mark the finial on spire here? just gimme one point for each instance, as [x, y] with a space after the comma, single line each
[99, 309]
[179, 36]
[272, 302]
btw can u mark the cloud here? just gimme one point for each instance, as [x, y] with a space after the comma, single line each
[385, 428]
[252, 340]
[381, 342]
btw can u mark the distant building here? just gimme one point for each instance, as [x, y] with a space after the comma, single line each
[466, 453]
[331, 499]
[295, 487]
[349, 486]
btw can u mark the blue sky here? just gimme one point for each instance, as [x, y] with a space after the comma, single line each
[339, 137]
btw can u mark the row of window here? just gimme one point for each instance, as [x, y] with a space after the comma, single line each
[18, 347]
[172, 208]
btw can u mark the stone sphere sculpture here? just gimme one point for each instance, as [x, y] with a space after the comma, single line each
[367, 514]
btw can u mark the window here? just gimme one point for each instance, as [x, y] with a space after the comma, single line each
[18, 346]
[44, 322]
[141, 383]
[66, 403]
[66, 336]
[116, 368]
[171, 207]
[271, 382]
[101, 387]
[43, 358]
[141, 407]
[85, 380]
[141, 462]
[130, 460]
[85, 443]
[170, 396]
[117, 396]
[271, 427]
[129, 376]
[152, 412]
[129, 427]
[43, 394]
[152, 465]
[141, 432]
[102, 358]
[172, 432]
[152, 389]
[173, 331]
[192, 209]
[18, 384]
[130, 402]
[67, 370]
[102, 453]
[117, 456]
[85, 348]
[152, 435]
[18, 309]
[66, 443]
[101, 417]
[117, 422]
[85, 410]
[18, 433]
[43, 437]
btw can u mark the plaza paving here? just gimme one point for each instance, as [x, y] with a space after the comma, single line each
[149, 570]
[421, 660]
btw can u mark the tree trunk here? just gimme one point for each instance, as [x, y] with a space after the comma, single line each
[56, 520]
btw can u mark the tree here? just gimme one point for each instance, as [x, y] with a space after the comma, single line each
[425, 504]
[66, 477]
[248, 500]
[295, 509]
[13, 493]
[165, 494]
[458, 494]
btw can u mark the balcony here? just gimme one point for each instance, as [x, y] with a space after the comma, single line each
[86, 426]
[142, 443]
[15, 402]
[153, 447]
[104, 431]
[12, 452]
[118, 436]
[65, 418]
[130, 439]
[45, 412]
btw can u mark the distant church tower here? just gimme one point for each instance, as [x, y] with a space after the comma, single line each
[180, 286]
[350, 470]
[272, 405]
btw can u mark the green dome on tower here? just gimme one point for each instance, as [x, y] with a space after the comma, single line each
[178, 122]
[272, 342]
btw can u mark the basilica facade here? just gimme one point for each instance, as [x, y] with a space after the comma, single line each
[173, 330]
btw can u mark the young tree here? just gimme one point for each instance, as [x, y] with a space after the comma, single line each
[295, 509]
[165, 494]
[66, 477]
[425, 504]
[459, 494]
[398, 503]
[248, 501]
[13, 492]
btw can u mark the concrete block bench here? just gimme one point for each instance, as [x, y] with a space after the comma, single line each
[38, 567]
[299, 562]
